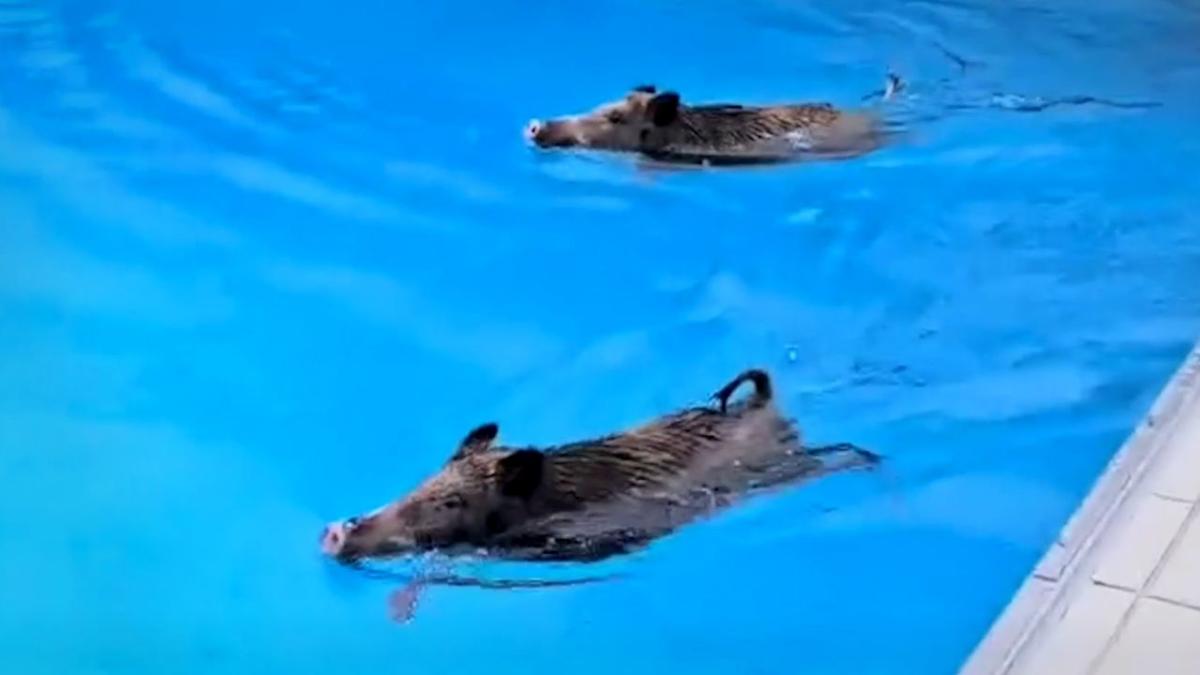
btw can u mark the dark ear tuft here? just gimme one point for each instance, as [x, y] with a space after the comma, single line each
[646, 88]
[479, 439]
[484, 433]
[663, 109]
[521, 473]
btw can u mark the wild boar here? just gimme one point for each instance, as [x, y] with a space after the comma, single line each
[588, 500]
[658, 125]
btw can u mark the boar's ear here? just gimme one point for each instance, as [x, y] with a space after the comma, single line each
[521, 473]
[478, 440]
[645, 89]
[663, 109]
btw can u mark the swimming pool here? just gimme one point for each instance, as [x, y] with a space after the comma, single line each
[263, 264]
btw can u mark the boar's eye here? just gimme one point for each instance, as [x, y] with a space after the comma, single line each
[615, 116]
[454, 502]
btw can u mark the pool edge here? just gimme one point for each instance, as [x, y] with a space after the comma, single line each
[1067, 565]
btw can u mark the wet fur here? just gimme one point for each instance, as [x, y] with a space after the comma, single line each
[592, 499]
[660, 127]
[738, 134]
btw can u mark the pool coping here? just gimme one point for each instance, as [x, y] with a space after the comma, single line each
[1065, 568]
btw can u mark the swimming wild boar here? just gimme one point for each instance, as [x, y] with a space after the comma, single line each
[592, 499]
[660, 126]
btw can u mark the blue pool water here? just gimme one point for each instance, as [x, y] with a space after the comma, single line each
[262, 264]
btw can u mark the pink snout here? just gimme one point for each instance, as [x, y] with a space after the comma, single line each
[552, 134]
[333, 539]
[532, 130]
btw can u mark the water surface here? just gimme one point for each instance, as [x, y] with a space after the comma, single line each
[262, 265]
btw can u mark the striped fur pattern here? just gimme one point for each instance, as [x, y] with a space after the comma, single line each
[658, 455]
[734, 130]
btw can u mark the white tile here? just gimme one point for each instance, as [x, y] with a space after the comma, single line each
[1055, 560]
[1178, 473]
[1179, 579]
[1067, 646]
[1009, 628]
[1160, 639]
[1094, 627]
[1129, 555]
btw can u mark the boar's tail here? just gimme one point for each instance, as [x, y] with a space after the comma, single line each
[892, 85]
[762, 388]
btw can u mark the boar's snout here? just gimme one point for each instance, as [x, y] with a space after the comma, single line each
[354, 538]
[334, 538]
[551, 134]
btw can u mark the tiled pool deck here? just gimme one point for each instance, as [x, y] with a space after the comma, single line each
[1119, 592]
